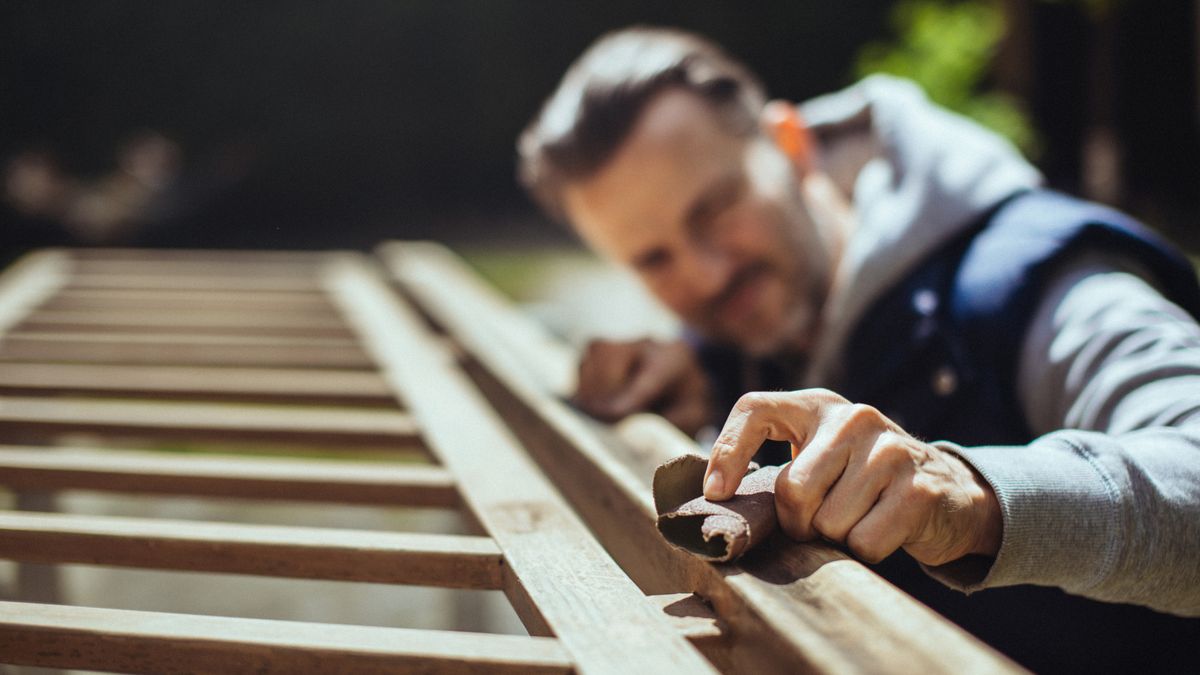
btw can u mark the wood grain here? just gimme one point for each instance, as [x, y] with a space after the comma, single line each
[226, 476]
[598, 614]
[262, 385]
[444, 560]
[157, 642]
[43, 417]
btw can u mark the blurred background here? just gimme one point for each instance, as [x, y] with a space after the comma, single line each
[322, 124]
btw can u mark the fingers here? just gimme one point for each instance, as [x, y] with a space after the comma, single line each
[884, 529]
[603, 371]
[833, 481]
[759, 416]
[657, 370]
[617, 379]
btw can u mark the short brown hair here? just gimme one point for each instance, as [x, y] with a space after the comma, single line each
[583, 123]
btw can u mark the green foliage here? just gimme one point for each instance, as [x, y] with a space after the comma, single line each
[947, 47]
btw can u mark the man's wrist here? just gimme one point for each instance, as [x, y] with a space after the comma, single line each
[990, 522]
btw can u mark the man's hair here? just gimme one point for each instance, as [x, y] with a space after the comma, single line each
[602, 94]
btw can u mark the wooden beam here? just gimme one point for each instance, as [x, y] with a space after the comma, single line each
[183, 350]
[800, 605]
[155, 642]
[41, 417]
[261, 385]
[203, 268]
[601, 619]
[226, 476]
[294, 304]
[201, 255]
[215, 322]
[443, 560]
[293, 284]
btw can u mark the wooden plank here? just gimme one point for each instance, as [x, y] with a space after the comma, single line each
[40, 417]
[27, 283]
[309, 304]
[183, 350]
[803, 605]
[443, 560]
[184, 267]
[600, 617]
[201, 255]
[214, 322]
[226, 476]
[156, 642]
[192, 282]
[261, 385]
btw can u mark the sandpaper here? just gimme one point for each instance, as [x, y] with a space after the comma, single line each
[716, 531]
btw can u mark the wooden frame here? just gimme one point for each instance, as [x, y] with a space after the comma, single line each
[441, 364]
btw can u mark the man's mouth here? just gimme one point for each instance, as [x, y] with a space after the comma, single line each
[740, 295]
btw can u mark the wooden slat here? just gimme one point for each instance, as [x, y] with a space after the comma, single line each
[564, 581]
[309, 304]
[27, 283]
[211, 421]
[184, 267]
[192, 282]
[226, 476]
[155, 642]
[189, 350]
[802, 605]
[213, 322]
[263, 385]
[444, 560]
[201, 255]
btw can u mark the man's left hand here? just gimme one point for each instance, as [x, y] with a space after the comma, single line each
[857, 478]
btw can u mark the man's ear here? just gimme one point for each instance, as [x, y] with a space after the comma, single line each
[782, 122]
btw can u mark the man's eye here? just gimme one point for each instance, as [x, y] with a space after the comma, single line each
[651, 260]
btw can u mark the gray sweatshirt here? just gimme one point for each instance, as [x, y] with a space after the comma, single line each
[1106, 502]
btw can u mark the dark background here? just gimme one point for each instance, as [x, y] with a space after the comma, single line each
[322, 124]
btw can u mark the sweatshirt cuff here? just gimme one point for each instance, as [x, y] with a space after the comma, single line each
[1060, 517]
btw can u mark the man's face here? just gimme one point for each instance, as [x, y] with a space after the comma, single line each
[714, 225]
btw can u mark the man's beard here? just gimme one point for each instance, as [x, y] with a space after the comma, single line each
[796, 324]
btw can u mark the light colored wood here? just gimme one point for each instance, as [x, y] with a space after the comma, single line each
[192, 282]
[334, 427]
[804, 604]
[262, 385]
[203, 268]
[155, 642]
[201, 255]
[183, 350]
[226, 476]
[600, 617]
[27, 283]
[216, 322]
[294, 304]
[444, 560]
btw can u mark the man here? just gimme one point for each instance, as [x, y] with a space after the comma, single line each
[1017, 372]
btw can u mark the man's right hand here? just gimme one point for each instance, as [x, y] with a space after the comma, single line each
[621, 378]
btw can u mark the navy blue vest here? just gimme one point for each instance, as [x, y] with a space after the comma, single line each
[938, 354]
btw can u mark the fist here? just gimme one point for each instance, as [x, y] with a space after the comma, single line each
[858, 479]
[621, 378]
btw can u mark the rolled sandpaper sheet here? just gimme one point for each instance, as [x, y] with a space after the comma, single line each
[716, 531]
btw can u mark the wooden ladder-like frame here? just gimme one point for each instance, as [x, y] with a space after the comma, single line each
[406, 349]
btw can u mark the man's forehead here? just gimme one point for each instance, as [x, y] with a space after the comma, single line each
[674, 150]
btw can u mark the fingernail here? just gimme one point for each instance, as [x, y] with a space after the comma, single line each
[713, 484]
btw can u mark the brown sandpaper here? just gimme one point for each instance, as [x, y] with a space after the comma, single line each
[716, 531]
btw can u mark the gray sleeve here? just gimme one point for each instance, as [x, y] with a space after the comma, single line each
[1105, 503]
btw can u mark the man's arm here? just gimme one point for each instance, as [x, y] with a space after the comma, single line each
[1106, 504]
